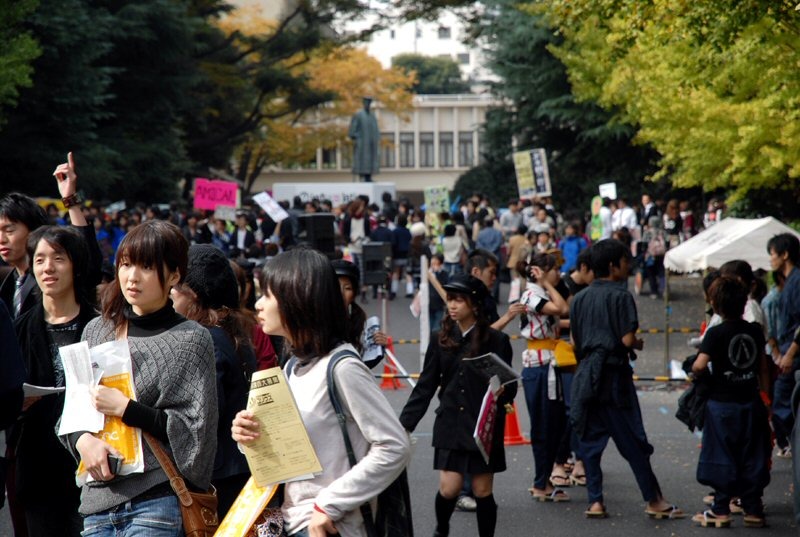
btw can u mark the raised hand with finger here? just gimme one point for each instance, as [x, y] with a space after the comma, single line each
[67, 180]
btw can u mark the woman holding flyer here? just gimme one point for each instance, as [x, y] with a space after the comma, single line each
[465, 333]
[175, 386]
[303, 303]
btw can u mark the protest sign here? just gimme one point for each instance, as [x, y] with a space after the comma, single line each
[533, 175]
[437, 199]
[275, 211]
[608, 190]
[223, 212]
[209, 194]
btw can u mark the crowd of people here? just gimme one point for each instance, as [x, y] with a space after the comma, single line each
[202, 303]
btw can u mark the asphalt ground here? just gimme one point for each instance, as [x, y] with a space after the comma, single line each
[674, 461]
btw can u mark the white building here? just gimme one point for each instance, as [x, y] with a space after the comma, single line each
[433, 146]
[441, 38]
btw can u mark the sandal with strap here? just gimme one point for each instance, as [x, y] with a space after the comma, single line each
[708, 519]
[560, 480]
[556, 496]
[754, 521]
[671, 512]
[577, 480]
[596, 514]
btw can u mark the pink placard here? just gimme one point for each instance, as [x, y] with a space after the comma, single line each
[208, 194]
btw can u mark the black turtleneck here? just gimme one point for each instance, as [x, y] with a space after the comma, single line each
[152, 324]
[152, 420]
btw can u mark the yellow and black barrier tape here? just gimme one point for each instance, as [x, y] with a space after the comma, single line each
[682, 330]
[635, 378]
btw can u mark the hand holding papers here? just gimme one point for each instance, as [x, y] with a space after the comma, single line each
[283, 450]
[79, 414]
[487, 417]
[490, 365]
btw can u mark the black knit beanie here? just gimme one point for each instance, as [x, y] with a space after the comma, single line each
[211, 277]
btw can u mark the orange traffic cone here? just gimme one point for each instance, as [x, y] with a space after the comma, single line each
[390, 383]
[513, 434]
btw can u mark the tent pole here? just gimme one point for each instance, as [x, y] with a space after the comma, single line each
[667, 312]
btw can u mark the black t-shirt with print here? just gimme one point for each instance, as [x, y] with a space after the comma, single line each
[736, 349]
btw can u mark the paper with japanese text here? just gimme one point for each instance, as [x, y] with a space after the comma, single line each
[284, 450]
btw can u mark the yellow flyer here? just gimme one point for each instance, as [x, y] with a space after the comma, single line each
[283, 451]
[245, 510]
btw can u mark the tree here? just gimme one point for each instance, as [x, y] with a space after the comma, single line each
[712, 86]
[61, 109]
[433, 75]
[583, 148]
[18, 49]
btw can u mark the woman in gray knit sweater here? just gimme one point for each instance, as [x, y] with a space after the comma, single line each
[176, 400]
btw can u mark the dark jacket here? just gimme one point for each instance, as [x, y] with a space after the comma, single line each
[233, 384]
[12, 372]
[41, 459]
[461, 393]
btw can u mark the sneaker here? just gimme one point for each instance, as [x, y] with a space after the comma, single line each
[466, 503]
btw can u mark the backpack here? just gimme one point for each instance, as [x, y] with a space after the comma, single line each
[657, 246]
[393, 517]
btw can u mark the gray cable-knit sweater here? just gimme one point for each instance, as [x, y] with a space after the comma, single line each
[173, 371]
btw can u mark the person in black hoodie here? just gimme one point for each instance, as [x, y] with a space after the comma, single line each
[59, 258]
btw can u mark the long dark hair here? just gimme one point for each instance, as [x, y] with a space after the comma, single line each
[69, 241]
[310, 301]
[237, 323]
[448, 339]
[153, 243]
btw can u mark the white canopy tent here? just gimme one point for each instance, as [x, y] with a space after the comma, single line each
[729, 239]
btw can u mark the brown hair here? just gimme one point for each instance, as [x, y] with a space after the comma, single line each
[310, 301]
[477, 335]
[153, 243]
[238, 324]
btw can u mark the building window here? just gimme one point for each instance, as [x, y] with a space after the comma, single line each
[387, 150]
[391, 34]
[426, 149]
[328, 158]
[463, 58]
[406, 149]
[465, 150]
[445, 149]
[444, 32]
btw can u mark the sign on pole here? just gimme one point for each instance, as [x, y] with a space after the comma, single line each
[208, 194]
[533, 175]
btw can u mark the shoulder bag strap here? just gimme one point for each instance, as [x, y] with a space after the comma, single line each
[333, 394]
[175, 480]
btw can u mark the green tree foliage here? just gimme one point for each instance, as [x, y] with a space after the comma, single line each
[434, 75]
[61, 109]
[584, 149]
[147, 92]
[713, 86]
[18, 49]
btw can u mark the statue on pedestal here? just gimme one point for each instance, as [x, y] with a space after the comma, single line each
[366, 142]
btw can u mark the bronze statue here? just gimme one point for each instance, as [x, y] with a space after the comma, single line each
[366, 141]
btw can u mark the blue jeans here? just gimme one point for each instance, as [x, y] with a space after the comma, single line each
[548, 420]
[156, 517]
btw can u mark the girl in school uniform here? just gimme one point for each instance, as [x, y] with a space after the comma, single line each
[465, 333]
[540, 378]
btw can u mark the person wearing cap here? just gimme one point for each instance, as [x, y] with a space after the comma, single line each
[349, 283]
[210, 296]
[465, 333]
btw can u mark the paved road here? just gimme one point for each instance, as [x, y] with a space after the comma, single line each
[674, 461]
